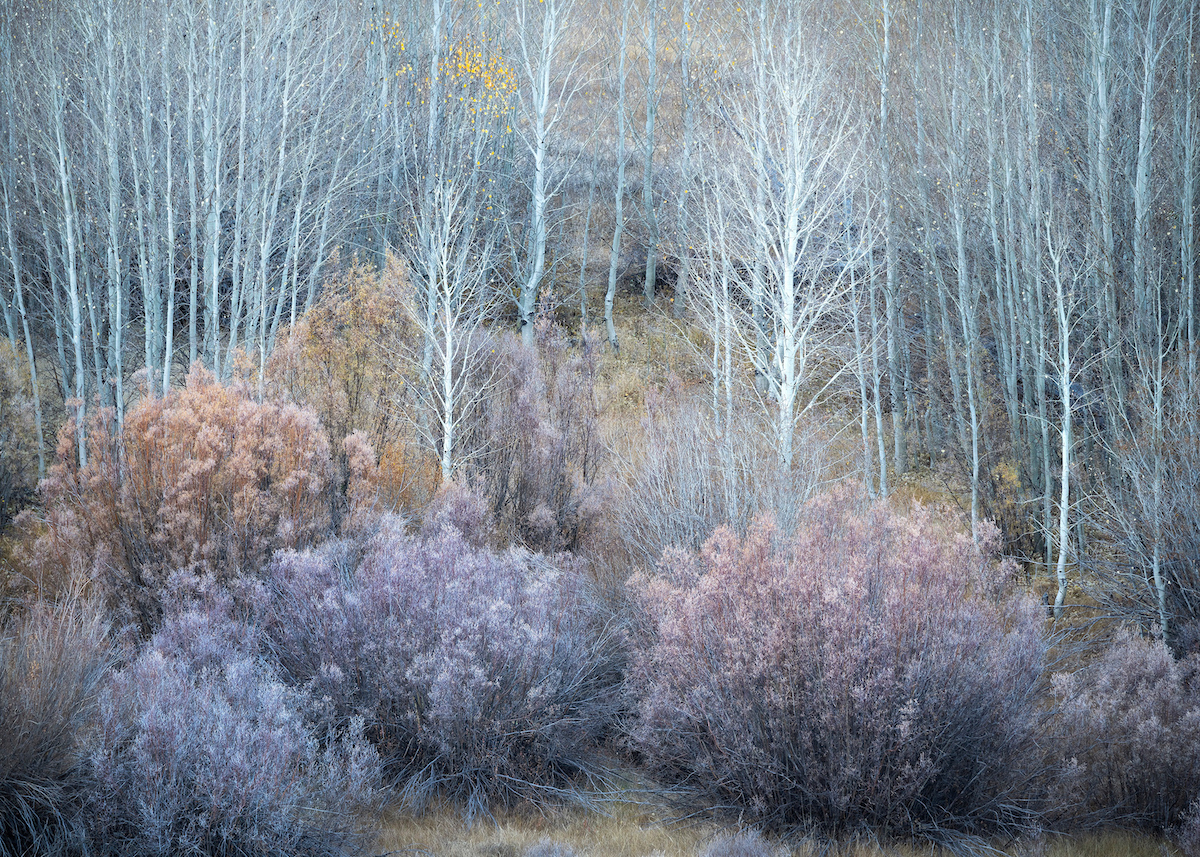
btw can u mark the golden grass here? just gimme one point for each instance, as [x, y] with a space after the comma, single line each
[631, 830]
[1113, 843]
[626, 831]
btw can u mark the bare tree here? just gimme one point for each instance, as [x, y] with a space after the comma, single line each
[1067, 273]
[549, 80]
[1148, 513]
[454, 231]
[650, 34]
[619, 197]
[794, 147]
[15, 306]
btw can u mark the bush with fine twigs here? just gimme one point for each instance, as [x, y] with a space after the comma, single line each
[52, 661]
[201, 749]
[483, 677]
[868, 673]
[206, 479]
[1131, 724]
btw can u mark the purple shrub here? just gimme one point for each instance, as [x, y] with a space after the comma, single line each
[550, 848]
[52, 661]
[459, 508]
[1132, 735]
[537, 454]
[863, 675]
[481, 676]
[1187, 835]
[202, 750]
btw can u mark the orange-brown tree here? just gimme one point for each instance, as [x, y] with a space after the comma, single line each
[348, 358]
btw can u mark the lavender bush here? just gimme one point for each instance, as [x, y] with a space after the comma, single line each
[536, 451]
[52, 661]
[743, 843]
[1187, 835]
[1131, 724]
[868, 674]
[202, 750]
[481, 676]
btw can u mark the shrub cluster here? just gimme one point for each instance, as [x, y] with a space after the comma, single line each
[1131, 726]
[201, 749]
[849, 671]
[863, 674]
[344, 358]
[481, 676]
[536, 454]
[206, 480]
[52, 663]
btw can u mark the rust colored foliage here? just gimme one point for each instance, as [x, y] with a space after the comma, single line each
[348, 359]
[205, 480]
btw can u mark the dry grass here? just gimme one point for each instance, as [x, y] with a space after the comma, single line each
[630, 830]
[627, 831]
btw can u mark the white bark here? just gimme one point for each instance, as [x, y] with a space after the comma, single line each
[545, 96]
[652, 97]
[619, 192]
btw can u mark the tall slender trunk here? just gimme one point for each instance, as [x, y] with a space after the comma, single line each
[619, 196]
[648, 212]
[682, 221]
[891, 244]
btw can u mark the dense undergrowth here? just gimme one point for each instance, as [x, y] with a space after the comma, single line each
[233, 634]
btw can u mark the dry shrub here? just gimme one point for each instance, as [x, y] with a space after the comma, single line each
[52, 661]
[202, 750]
[1131, 724]
[483, 677]
[550, 848]
[408, 476]
[348, 360]
[743, 843]
[537, 456]
[1148, 514]
[461, 509]
[205, 480]
[685, 475]
[1187, 835]
[867, 673]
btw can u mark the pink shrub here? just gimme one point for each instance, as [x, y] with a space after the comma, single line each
[1132, 733]
[537, 454]
[866, 674]
[481, 676]
[201, 749]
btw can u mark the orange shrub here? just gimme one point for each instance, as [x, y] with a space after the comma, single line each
[348, 359]
[205, 480]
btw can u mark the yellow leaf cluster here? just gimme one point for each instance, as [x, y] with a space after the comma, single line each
[479, 77]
